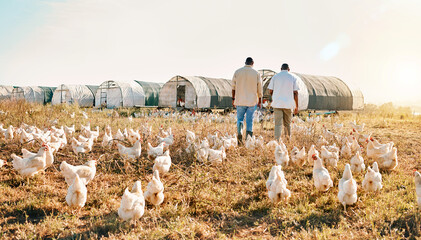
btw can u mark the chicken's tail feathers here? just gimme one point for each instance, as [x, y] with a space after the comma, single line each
[17, 161]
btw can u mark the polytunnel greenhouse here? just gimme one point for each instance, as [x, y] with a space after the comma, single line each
[196, 92]
[35, 94]
[113, 94]
[151, 92]
[320, 92]
[84, 95]
[5, 92]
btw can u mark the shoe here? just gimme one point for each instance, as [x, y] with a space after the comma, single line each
[240, 140]
[249, 134]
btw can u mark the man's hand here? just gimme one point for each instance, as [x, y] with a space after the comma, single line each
[233, 105]
[296, 110]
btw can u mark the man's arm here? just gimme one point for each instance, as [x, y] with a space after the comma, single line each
[296, 102]
[233, 85]
[259, 90]
[233, 97]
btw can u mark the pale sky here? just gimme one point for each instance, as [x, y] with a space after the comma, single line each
[374, 43]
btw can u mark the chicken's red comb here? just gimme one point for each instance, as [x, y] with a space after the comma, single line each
[414, 170]
[314, 156]
[372, 139]
[353, 130]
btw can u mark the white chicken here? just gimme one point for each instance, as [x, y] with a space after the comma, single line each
[155, 190]
[298, 157]
[322, 180]
[250, 142]
[259, 143]
[190, 136]
[26, 153]
[93, 134]
[130, 152]
[363, 137]
[216, 156]
[333, 148]
[108, 130]
[281, 155]
[85, 172]
[272, 145]
[327, 134]
[355, 146]
[84, 129]
[389, 160]
[2, 162]
[202, 151]
[119, 135]
[357, 127]
[346, 151]
[28, 167]
[227, 142]
[133, 136]
[322, 141]
[76, 194]
[330, 158]
[81, 147]
[166, 133]
[56, 143]
[132, 205]
[85, 115]
[69, 130]
[25, 137]
[154, 152]
[163, 163]
[106, 139]
[417, 177]
[372, 179]
[272, 175]
[167, 140]
[376, 150]
[9, 133]
[312, 151]
[357, 163]
[277, 185]
[347, 194]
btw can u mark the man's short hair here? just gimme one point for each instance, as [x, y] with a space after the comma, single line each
[284, 66]
[249, 61]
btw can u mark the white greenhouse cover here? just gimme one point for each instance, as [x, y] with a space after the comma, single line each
[357, 96]
[202, 92]
[120, 94]
[30, 94]
[302, 94]
[70, 94]
[5, 92]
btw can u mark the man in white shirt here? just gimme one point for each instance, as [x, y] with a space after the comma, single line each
[283, 88]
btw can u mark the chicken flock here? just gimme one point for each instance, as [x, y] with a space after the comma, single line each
[323, 156]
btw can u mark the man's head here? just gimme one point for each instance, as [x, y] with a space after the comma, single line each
[285, 67]
[249, 61]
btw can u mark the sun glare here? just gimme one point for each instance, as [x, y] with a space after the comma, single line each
[406, 81]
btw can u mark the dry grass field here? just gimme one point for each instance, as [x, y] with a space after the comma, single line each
[202, 200]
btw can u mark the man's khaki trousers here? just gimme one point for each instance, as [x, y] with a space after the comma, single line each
[282, 117]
